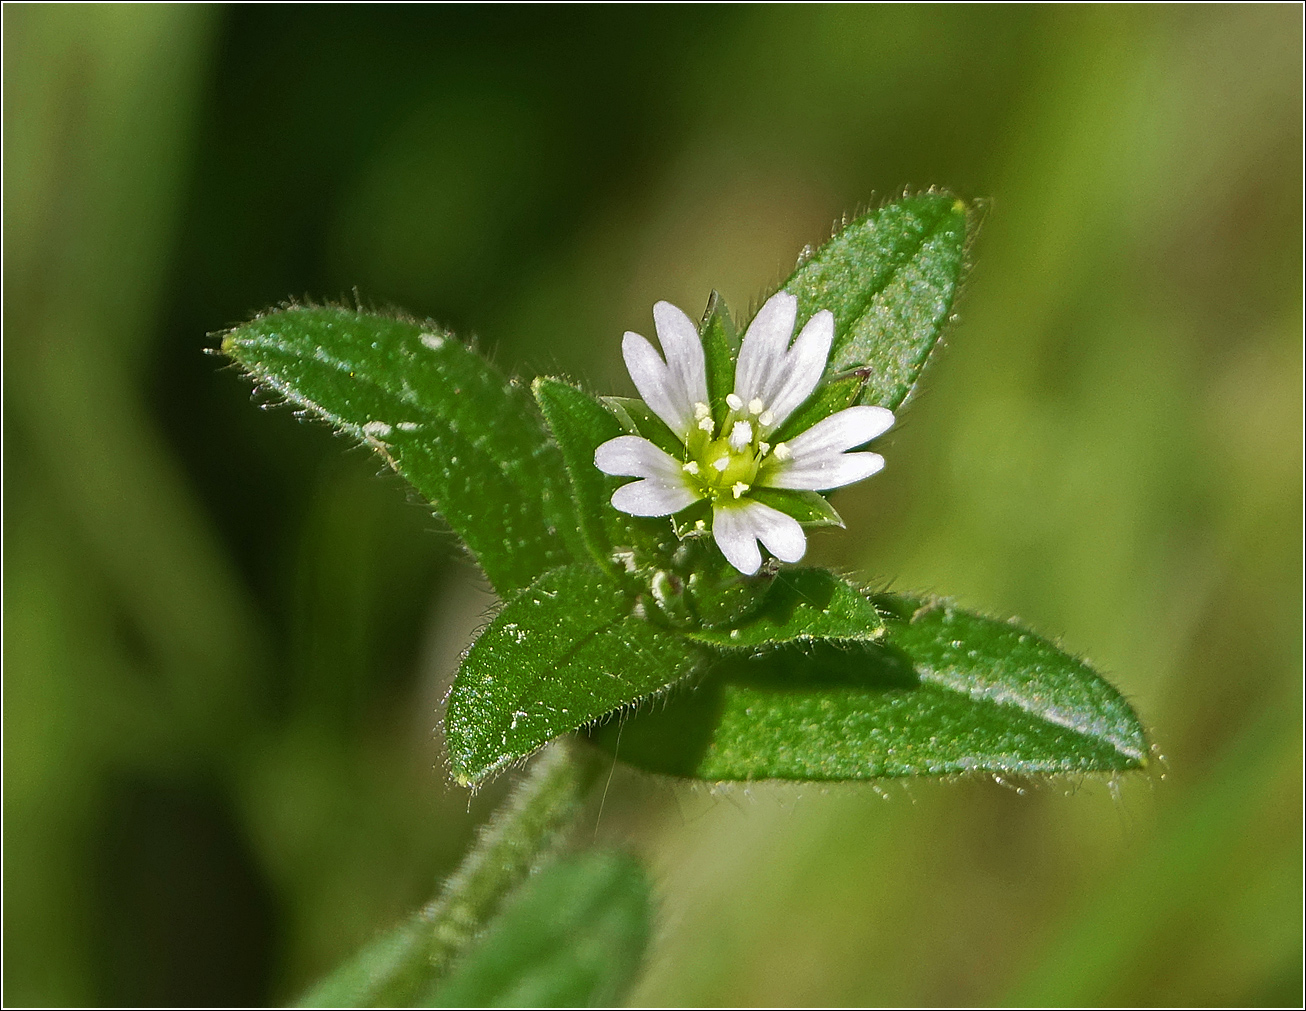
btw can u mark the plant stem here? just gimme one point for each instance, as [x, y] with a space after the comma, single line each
[402, 966]
[517, 836]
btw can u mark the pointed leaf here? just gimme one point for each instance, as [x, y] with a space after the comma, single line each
[946, 692]
[802, 605]
[443, 417]
[568, 649]
[890, 278]
[573, 936]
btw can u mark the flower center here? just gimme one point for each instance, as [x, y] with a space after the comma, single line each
[723, 463]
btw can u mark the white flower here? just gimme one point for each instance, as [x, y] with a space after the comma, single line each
[723, 463]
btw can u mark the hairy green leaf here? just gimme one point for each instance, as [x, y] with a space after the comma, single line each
[803, 605]
[890, 278]
[945, 691]
[466, 438]
[573, 936]
[568, 649]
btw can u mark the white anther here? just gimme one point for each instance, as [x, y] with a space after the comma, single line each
[782, 451]
[691, 467]
[734, 402]
[755, 406]
[701, 411]
[764, 448]
[766, 418]
[706, 425]
[721, 463]
[700, 524]
[738, 488]
[741, 435]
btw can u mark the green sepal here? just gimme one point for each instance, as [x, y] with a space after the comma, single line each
[719, 594]
[637, 418]
[720, 352]
[802, 605]
[809, 508]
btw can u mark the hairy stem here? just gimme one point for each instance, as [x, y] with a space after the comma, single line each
[401, 967]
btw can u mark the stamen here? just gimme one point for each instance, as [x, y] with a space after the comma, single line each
[706, 424]
[766, 418]
[764, 448]
[721, 462]
[755, 406]
[741, 435]
[739, 488]
[734, 402]
[701, 411]
[691, 467]
[782, 451]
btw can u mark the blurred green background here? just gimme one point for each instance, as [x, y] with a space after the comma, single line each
[227, 635]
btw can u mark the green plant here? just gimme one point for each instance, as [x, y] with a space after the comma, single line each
[618, 593]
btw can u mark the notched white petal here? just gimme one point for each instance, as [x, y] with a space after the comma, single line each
[822, 473]
[762, 354]
[854, 426]
[657, 386]
[664, 489]
[781, 533]
[803, 367]
[738, 528]
[684, 350]
[653, 497]
[816, 460]
[632, 456]
[734, 536]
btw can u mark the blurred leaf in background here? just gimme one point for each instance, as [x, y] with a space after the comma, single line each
[226, 636]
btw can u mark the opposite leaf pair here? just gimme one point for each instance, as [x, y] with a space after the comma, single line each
[797, 676]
